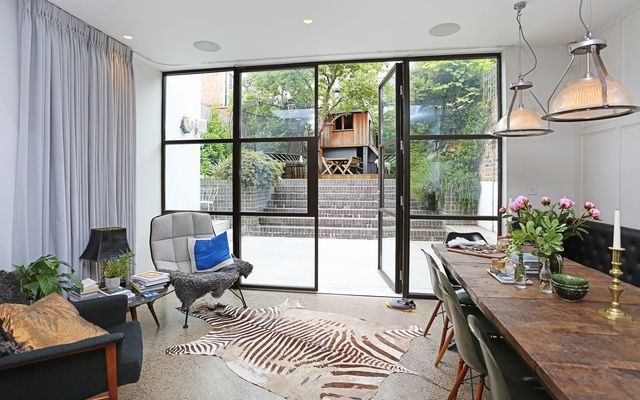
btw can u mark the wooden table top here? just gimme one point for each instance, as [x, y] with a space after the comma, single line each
[574, 351]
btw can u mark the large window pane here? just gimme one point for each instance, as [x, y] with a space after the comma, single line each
[274, 177]
[453, 97]
[282, 249]
[198, 177]
[199, 106]
[424, 233]
[454, 177]
[278, 103]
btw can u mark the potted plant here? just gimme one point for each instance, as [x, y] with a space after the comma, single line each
[42, 277]
[115, 268]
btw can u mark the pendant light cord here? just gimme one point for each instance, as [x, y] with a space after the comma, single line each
[586, 26]
[524, 39]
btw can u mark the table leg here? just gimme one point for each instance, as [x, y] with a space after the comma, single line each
[134, 313]
[153, 313]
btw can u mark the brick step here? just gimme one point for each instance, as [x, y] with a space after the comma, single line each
[324, 204]
[345, 222]
[336, 233]
[328, 196]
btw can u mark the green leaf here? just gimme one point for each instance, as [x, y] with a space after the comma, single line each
[48, 284]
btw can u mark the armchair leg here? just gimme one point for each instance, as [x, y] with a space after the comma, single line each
[186, 317]
[112, 371]
[240, 296]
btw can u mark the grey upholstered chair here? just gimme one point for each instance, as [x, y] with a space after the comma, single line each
[169, 253]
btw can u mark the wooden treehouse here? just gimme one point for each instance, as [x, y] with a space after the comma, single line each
[347, 145]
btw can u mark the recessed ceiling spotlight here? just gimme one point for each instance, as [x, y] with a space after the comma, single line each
[446, 29]
[307, 20]
[205, 45]
[128, 37]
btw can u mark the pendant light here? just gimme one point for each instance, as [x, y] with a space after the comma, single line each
[522, 121]
[592, 97]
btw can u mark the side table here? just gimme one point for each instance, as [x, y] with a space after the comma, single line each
[139, 300]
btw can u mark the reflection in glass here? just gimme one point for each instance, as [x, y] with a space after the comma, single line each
[453, 97]
[454, 177]
[388, 101]
[278, 103]
[284, 248]
[198, 177]
[199, 106]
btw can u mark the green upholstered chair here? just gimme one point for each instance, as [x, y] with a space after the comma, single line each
[518, 383]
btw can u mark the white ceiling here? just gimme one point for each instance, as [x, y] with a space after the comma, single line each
[258, 31]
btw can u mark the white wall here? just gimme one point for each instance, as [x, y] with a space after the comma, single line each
[544, 165]
[183, 162]
[609, 151]
[9, 92]
[148, 81]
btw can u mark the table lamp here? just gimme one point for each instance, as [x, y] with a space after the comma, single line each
[104, 244]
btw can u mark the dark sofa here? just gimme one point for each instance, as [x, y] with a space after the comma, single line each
[594, 251]
[78, 370]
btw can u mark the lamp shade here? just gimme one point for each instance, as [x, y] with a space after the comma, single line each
[522, 121]
[106, 243]
[581, 100]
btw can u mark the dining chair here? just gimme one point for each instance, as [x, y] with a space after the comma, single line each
[467, 344]
[502, 388]
[471, 236]
[461, 294]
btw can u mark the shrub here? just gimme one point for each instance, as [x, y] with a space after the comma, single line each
[256, 170]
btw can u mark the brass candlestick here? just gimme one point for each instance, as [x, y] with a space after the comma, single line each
[614, 312]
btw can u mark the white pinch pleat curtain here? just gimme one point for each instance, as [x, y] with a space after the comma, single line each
[76, 147]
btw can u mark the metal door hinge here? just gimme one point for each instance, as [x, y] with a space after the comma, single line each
[401, 145]
[401, 201]
[401, 91]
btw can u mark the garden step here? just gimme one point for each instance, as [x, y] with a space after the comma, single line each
[325, 204]
[278, 196]
[336, 233]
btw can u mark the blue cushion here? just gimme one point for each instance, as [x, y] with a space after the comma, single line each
[212, 254]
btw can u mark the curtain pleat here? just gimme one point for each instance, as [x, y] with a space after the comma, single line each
[76, 146]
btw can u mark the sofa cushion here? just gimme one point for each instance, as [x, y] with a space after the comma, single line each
[129, 352]
[49, 321]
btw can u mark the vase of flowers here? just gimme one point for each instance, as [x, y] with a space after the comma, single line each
[547, 228]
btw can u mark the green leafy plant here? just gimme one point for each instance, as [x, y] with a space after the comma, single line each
[42, 277]
[119, 266]
[256, 170]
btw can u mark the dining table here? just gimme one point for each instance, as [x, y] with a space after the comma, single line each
[574, 351]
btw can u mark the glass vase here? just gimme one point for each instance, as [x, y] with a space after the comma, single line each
[519, 272]
[545, 276]
[556, 263]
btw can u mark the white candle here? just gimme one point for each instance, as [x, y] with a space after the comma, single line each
[616, 230]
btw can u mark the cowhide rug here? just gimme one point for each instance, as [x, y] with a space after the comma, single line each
[301, 354]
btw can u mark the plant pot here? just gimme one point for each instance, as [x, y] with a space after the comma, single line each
[111, 283]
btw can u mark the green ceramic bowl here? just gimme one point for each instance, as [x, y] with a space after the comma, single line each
[569, 294]
[570, 281]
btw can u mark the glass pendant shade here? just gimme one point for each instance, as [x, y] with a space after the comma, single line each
[523, 121]
[582, 100]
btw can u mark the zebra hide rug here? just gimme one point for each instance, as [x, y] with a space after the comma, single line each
[301, 354]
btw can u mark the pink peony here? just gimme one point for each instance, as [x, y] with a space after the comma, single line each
[545, 200]
[595, 213]
[566, 202]
[502, 210]
[589, 205]
[518, 203]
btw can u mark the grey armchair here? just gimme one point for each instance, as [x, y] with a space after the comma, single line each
[169, 253]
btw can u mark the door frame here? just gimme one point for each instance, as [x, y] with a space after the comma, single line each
[398, 282]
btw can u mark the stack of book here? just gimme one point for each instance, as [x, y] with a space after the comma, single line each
[119, 291]
[90, 290]
[149, 281]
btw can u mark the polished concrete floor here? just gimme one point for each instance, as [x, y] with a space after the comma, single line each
[206, 377]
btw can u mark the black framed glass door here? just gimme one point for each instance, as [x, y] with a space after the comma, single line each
[390, 178]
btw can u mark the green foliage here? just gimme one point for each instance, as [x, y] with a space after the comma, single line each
[118, 267]
[42, 277]
[348, 87]
[546, 237]
[211, 154]
[256, 169]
